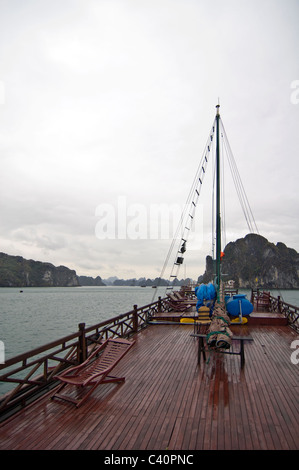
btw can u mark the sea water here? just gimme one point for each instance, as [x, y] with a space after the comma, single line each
[32, 317]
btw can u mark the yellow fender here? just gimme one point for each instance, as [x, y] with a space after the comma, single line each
[237, 320]
[187, 320]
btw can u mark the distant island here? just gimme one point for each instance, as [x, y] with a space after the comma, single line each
[15, 271]
[254, 262]
[251, 262]
[146, 282]
[90, 281]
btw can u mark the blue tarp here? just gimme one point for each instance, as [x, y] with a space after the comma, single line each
[205, 292]
[238, 304]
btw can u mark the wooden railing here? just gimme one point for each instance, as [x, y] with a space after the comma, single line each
[32, 373]
[262, 300]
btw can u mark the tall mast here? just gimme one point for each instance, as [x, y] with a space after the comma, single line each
[218, 219]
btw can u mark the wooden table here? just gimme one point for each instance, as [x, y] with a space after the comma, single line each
[202, 347]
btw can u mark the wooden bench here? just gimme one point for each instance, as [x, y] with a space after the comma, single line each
[202, 348]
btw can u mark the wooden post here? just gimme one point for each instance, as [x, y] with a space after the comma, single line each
[159, 304]
[135, 319]
[279, 304]
[82, 349]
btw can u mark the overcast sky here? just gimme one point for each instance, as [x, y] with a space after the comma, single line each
[105, 111]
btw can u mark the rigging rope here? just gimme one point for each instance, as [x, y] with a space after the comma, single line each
[187, 217]
[223, 216]
[239, 186]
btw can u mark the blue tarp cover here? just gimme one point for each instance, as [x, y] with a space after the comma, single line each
[205, 292]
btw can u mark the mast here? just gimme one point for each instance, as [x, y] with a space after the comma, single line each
[218, 219]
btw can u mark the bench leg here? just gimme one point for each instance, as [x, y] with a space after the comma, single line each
[242, 354]
[201, 349]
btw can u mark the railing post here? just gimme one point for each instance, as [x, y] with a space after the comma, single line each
[82, 350]
[135, 319]
[159, 304]
[279, 304]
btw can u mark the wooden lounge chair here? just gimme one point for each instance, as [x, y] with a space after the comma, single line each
[178, 296]
[94, 371]
[177, 305]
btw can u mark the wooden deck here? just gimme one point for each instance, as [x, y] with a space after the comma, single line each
[169, 402]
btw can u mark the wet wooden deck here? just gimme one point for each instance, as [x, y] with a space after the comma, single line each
[169, 402]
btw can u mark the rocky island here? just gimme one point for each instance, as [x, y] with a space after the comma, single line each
[254, 262]
[16, 271]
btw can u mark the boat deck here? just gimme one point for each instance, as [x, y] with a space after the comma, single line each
[256, 318]
[169, 402]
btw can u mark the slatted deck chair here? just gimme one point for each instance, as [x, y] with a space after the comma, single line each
[178, 296]
[95, 370]
[177, 305]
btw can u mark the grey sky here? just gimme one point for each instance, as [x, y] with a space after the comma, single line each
[111, 103]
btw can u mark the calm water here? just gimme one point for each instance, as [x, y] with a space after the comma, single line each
[40, 315]
[37, 316]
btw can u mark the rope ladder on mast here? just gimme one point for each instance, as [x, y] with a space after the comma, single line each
[187, 217]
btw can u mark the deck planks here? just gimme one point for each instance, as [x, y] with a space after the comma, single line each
[169, 402]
